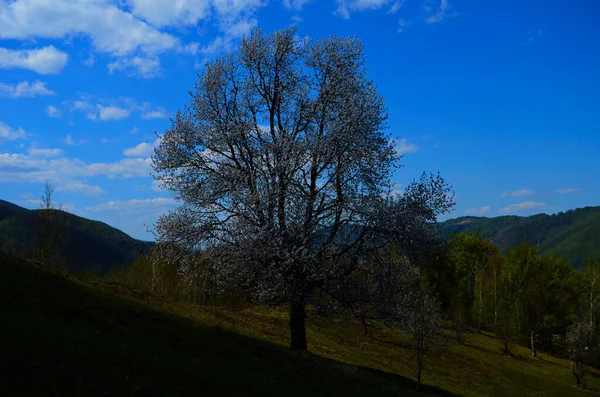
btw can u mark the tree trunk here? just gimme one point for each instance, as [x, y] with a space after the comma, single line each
[578, 376]
[297, 326]
[592, 298]
[419, 369]
[495, 299]
[506, 351]
[533, 349]
[480, 303]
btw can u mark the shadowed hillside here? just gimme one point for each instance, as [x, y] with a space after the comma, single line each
[64, 337]
[574, 234]
[89, 245]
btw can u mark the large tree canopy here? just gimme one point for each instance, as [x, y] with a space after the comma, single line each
[282, 167]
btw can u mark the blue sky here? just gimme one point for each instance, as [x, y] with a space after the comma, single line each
[503, 98]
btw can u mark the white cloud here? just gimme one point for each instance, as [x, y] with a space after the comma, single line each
[233, 19]
[396, 6]
[46, 60]
[68, 140]
[19, 167]
[52, 111]
[157, 186]
[345, 6]
[135, 32]
[112, 113]
[132, 216]
[134, 206]
[25, 89]
[125, 168]
[403, 24]
[89, 61]
[97, 108]
[155, 114]
[80, 187]
[142, 150]
[145, 67]
[111, 29]
[441, 11]
[7, 133]
[567, 190]
[402, 146]
[524, 206]
[170, 12]
[295, 5]
[478, 211]
[518, 193]
[44, 153]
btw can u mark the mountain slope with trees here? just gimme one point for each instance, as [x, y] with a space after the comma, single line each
[87, 245]
[574, 234]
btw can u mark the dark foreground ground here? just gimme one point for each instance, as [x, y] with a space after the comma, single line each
[63, 337]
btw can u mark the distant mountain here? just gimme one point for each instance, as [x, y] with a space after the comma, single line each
[574, 234]
[89, 245]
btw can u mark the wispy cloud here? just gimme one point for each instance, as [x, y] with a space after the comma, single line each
[144, 149]
[519, 193]
[107, 109]
[155, 114]
[69, 141]
[295, 5]
[25, 89]
[44, 153]
[25, 168]
[145, 67]
[134, 206]
[112, 113]
[402, 146]
[396, 6]
[346, 6]
[440, 12]
[524, 206]
[534, 37]
[7, 133]
[567, 190]
[52, 111]
[80, 187]
[403, 24]
[478, 211]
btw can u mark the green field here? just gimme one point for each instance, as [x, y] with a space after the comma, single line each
[66, 337]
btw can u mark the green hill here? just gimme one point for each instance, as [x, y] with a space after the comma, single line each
[89, 245]
[574, 234]
[65, 337]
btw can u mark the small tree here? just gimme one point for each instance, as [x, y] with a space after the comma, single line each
[417, 312]
[592, 281]
[579, 343]
[51, 231]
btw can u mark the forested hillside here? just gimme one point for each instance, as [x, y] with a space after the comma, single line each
[87, 244]
[574, 234]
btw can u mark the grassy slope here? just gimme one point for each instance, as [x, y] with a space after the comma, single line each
[62, 337]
